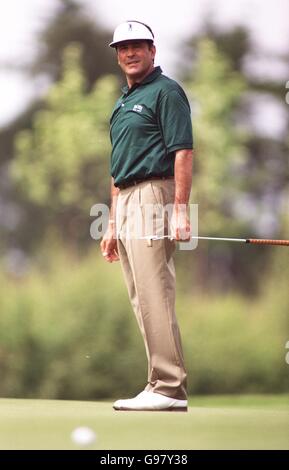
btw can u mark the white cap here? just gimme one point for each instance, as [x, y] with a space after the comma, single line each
[131, 31]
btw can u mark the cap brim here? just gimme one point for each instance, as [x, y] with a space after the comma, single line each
[116, 43]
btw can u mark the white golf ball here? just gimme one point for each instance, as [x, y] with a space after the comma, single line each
[83, 436]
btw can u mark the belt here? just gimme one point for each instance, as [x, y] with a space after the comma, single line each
[128, 184]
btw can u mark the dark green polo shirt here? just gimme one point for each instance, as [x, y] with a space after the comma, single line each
[150, 121]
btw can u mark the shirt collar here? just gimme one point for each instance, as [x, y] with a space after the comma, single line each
[157, 71]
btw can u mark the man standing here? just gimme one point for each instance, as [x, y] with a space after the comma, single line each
[151, 164]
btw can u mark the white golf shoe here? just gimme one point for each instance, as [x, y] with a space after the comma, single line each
[151, 401]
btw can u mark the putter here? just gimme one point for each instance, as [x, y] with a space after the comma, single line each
[253, 241]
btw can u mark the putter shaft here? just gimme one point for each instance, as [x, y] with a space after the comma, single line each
[255, 241]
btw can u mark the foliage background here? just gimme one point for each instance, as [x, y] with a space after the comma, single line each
[66, 327]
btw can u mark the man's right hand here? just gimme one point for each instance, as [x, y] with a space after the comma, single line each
[108, 245]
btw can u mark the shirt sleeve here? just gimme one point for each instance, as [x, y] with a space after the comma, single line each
[175, 121]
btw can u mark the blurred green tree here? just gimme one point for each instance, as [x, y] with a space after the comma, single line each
[61, 165]
[72, 23]
[241, 174]
[69, 23]
[216, 91]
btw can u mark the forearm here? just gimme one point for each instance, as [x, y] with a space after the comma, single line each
[108, 244]
[114, 195]
[183, 176]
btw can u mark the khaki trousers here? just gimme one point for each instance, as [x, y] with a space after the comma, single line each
[150, 278]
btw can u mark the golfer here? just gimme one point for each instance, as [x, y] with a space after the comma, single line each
[151, 165]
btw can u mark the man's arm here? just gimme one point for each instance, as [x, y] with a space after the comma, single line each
[108, 244]
[183, 180]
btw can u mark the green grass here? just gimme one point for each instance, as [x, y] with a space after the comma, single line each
[213, 422]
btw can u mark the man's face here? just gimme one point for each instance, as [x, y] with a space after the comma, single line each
[135, 58]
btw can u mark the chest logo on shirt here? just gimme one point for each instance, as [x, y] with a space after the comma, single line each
[138, 108]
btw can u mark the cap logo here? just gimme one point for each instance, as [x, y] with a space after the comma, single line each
[130, 27]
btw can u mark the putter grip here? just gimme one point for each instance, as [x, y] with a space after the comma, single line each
[260, 241]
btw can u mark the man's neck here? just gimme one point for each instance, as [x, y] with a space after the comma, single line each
[133, 80]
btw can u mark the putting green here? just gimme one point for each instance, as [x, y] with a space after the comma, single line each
[227, 422]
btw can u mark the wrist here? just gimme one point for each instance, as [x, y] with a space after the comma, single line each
[181, 206]
[111, 227]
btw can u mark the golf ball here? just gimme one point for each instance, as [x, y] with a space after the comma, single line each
[83, 436]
